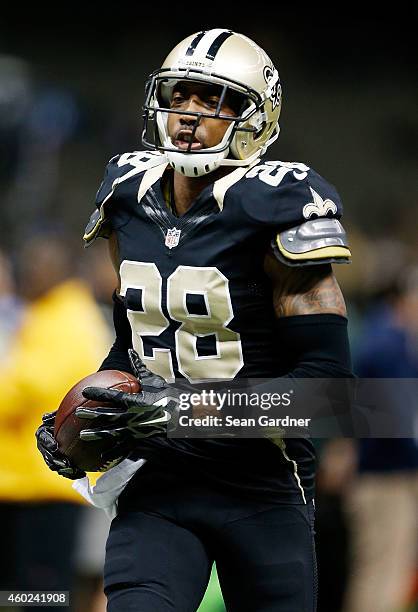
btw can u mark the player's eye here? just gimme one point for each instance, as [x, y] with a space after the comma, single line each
[212, 102]
[177, 99]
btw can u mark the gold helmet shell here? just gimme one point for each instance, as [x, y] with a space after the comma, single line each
[234, 62]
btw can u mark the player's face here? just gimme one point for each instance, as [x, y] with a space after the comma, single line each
[197, 98]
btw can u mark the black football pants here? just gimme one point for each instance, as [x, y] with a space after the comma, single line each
[169, 531]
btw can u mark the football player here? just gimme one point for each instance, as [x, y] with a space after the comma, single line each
[224, 264]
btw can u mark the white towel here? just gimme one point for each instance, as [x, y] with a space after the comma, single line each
[104, 494]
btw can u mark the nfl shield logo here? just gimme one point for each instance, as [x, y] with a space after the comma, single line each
[172, 238]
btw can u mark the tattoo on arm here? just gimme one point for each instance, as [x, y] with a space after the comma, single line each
[304, 290]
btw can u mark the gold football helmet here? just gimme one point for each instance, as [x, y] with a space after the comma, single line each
[233, 62]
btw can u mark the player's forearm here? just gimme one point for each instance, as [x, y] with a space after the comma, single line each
[118, 358]
[314, 346]
[311, 325]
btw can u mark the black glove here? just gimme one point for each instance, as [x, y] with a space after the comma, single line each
[131, 415]
[48, 446]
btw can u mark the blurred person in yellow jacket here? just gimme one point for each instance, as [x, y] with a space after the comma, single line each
[10, 305]
[61, 339]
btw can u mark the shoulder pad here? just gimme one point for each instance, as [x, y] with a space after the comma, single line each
[286, 194]
[314, 242]
[119, 169]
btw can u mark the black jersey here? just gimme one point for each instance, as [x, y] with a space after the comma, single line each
[197, 298]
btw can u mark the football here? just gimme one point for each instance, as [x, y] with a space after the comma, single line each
[88, 455]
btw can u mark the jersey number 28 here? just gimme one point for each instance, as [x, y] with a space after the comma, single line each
[208, 282]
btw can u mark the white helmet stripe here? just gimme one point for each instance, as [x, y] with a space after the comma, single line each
[206, 42]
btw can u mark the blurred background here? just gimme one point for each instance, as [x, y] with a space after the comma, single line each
[71, 89]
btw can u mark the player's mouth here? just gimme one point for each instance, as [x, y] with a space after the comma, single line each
[185, 139]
